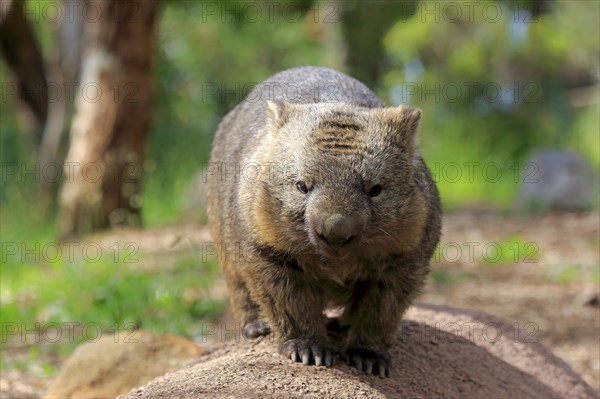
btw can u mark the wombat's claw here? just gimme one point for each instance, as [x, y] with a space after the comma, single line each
[256, 329]
[306, 350]
[371, 361]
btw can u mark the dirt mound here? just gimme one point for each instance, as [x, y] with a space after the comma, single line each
[439, 352]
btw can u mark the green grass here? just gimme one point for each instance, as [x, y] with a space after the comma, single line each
[54, 307]
[110, 294]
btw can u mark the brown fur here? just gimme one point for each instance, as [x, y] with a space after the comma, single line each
[343, 243]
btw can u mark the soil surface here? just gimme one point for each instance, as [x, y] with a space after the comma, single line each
[430, 359]
[551, 290]
[546, 282]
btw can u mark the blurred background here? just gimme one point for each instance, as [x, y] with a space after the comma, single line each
[108, 110]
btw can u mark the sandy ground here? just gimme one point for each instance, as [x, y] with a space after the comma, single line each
[546, 282]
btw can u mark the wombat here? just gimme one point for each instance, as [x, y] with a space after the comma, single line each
[317, 198]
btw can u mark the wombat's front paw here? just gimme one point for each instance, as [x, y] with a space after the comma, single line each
[369, 361]
[256, 329]
[308, 350]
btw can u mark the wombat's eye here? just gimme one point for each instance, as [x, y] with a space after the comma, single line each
[302, 187]
[375, 191]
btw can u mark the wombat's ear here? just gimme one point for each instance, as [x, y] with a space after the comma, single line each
[277, 113]
[405, 122]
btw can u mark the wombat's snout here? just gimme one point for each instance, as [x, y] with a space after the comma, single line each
[338, 230]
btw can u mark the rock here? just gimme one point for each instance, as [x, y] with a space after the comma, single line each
[439, 352]
[117, 363]
[556, 180]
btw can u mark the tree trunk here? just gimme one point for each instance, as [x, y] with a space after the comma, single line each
[62, 65]
[103, 168]
[20, 49]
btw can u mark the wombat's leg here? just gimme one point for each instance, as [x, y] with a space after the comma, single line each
[293, 307]
[244, 308]
[373, 315]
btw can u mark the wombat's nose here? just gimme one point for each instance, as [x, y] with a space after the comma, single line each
[337, 230]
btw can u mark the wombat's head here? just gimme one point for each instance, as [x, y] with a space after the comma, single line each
[341, 180]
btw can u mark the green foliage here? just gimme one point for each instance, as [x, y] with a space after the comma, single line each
[493, 88]
[208, 59]
[210, 54]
